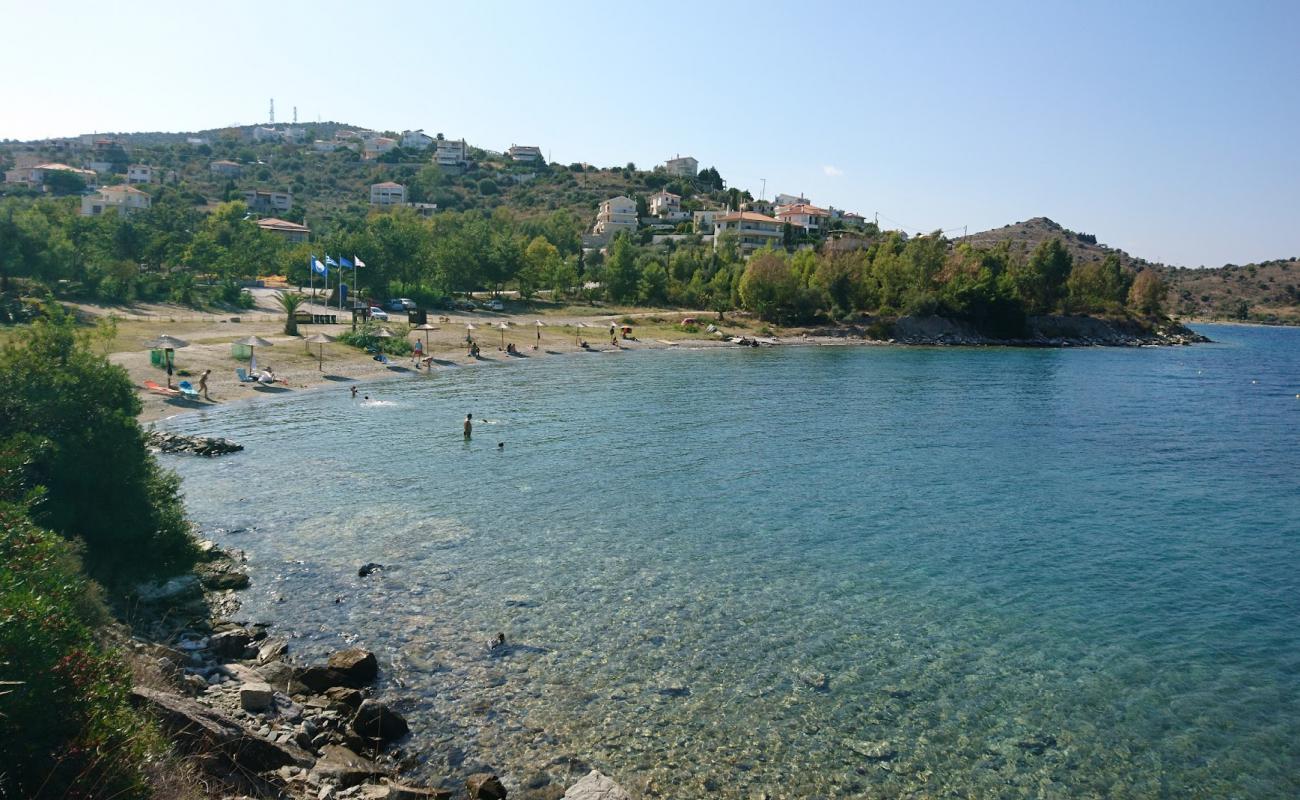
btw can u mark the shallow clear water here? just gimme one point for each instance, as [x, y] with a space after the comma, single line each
[819, 572]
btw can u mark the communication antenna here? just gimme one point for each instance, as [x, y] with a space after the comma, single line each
[272, 110]
[295, 115]
[762, 195]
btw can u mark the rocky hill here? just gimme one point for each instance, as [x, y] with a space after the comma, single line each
[1266, 292]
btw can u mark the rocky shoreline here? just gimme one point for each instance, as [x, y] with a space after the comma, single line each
[1043, 331]
[257, 724]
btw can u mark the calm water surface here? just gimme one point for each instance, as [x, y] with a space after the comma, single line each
[819, 572]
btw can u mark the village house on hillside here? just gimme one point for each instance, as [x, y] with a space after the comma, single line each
[666, 205]
[139, 173]
[765, 207]
[375, 146]
[704, 220]
[451, 156]
[266, 202]
[752, 231]
[36, 175]
[614, 215]
[387, 193]
[416, 140]
[524, 153]
[126, 199]
[810, 218]
[682, 167]
[226, 169]
[289, 231]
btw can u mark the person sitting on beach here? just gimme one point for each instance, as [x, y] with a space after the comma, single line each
[583, 344]
[267, 376]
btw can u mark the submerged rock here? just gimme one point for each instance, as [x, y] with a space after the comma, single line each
[376, 721]
[166, 442]
[367, 569]
[1037, 744]
[485, 786]
[596, 786]
[357, 666]
[874, 751]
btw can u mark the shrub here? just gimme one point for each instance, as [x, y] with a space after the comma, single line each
[366, 338]
[67, 729]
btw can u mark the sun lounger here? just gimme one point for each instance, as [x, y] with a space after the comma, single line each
[244, 377]
[158, 388]
[188, 391]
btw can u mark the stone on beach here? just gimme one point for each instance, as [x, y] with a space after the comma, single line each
[376, 721]
[357, 666]
[255, 696]
[485, 786]
[342, 766]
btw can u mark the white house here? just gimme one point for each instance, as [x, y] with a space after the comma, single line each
[789, 200]
[126, 199]
[704, 219]
[323, 146]
[527, 153]
[682, 166]
[811, 218]
[139, 173]
[416, 140]
[387, 193]
[764, 207]
[264, 202]
[264, 134]
[664, 204]
[615, 214]
[752, 231]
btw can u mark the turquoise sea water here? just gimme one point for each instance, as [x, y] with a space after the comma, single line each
[818, 572]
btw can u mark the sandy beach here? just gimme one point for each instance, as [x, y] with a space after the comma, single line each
[301, 366]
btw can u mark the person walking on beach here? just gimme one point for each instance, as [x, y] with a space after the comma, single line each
[203, 383]
[469, 426]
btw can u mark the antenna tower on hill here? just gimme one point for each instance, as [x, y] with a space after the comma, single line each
[295, 115]
[272, 110]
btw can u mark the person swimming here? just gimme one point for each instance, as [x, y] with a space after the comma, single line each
[469, 425]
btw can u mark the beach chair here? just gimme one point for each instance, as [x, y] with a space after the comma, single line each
[188, 391]
[158, 388]
[244, 377]
[383, 359]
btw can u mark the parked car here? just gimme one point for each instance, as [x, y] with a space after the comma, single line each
[400, 305]
[465, 305]
[494, 305]
[378, 313]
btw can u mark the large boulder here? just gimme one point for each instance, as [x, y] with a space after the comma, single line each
[485, 786]
[357, 666]
[256, 696]
[376, 721]
[596, 786]
[231, 643]
[400, 791]
[342, 766]
[318, 678]
[199, 728]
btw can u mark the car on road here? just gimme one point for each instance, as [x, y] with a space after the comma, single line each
[465, 305]
[401, 305]
[494, 305]
[378, 313]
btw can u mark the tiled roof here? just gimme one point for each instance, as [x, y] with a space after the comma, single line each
[274, 224]
[746, 216]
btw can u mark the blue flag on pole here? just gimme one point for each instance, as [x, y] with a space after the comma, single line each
[345, 263]
[317, 267]
[329, 262]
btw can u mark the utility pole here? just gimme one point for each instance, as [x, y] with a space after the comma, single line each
[272, 110]
[295, 115]
[763, 194]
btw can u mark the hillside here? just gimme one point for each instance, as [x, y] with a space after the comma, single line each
[1267, 292]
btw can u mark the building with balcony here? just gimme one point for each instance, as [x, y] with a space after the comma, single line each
[126, 199]
[752, 231]
[416, 140]
[810, 218]
[139, 173]
[524, 153]
[664, 204]
[614, 215]
[451, 155]
[226, 169]
[36, 175]
[264, 202]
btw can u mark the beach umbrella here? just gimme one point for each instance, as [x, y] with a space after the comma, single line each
[320, 339]
[426, 327]
[469, 326]
[578, 335]
[168, 343]
[504, 327]
[252, 343]
[538, 323]
[384, 333]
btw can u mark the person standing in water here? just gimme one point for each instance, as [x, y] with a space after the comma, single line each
[469, 426]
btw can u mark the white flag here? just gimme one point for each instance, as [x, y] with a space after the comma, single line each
[358, 261]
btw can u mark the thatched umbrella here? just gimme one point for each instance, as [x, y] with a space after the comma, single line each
[426, 327]
[252, 343]
[168, 344]
[578, 335]
[538, 323]
[320, 339]
[504, 327]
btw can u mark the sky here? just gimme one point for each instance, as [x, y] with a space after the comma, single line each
[1170, 129]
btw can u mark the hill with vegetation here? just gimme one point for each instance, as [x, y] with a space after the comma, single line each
[1265, 292]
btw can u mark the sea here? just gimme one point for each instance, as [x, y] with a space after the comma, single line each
[800, 572]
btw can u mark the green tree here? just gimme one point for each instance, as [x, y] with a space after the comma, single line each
[1147, 294]
[769, 286]
[100, 483]
[1041, 282]
[652, 288]
[540, 262]
[620, 274]
[230, 245]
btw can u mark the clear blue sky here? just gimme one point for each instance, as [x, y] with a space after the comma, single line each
[1167, 128]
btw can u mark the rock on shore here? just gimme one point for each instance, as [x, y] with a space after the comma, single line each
[166, 442]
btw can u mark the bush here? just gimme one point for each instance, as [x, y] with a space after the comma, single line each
[365, 338]
[67, 729]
